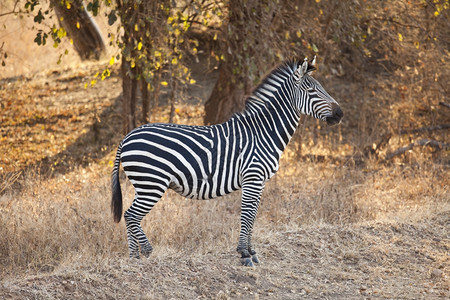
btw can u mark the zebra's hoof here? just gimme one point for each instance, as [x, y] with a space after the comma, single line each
[255, 259]
[146, 253]
[247, 262]
[146, 250]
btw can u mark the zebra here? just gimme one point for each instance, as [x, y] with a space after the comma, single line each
[205, 162]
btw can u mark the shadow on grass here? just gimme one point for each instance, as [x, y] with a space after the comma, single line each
[100, 138]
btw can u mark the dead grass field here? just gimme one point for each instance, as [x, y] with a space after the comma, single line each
[336, 222]
[330, 238]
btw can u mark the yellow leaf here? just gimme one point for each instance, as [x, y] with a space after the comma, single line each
[299, 34]
[139, 47]
[68, 5]
[136, 28]
[192, 81]
[164, 83]
[400, 37]
[106, 74]
[111, 61]
[186, 25]
[78, 25]
[174, 61]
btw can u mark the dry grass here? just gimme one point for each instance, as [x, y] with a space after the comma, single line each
[68, 217]
[336, 221]
[322, 231]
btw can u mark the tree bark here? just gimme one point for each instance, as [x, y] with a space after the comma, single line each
[129, 91]
[226, 98]
[81, 28]
[245, 56]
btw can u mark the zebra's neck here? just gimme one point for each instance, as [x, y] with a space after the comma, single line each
[270, 109]
[274, 122]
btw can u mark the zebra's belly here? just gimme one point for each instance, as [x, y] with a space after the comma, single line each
[204, 190]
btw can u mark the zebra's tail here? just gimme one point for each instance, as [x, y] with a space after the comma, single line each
[116, 200]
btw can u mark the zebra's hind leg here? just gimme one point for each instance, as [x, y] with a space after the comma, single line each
[132, 234]
[133, 217]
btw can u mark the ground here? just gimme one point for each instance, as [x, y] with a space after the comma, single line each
[381, 260]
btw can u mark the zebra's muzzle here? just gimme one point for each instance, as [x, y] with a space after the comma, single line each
[336, 116]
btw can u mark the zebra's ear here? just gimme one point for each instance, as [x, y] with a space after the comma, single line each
[312, 66]
[302, 69]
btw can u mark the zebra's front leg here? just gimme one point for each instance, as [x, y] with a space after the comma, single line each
[251, 251]
[251, 195]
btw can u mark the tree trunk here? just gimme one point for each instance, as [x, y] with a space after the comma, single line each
[129, 88]
[226, 99]
[81, 28]
[245, 56]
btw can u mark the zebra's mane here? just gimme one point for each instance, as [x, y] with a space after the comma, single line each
[283, 71]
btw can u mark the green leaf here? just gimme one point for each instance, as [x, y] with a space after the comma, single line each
[39, 17]
[38, 39]
[44, 38]
[112, 18]
[93, 7]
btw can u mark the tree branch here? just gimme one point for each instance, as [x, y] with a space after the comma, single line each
[424, 142]
[13, 10]
[444, 104]
[426, 129]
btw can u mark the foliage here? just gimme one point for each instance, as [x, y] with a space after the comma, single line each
[154, 40]
[55, 32]
[404, 44]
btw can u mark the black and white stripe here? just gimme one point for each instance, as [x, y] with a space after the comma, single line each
[204, 162]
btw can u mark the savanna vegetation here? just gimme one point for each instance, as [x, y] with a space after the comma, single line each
[356, 211]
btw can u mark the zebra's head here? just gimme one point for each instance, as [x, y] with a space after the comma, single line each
[311, 98]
